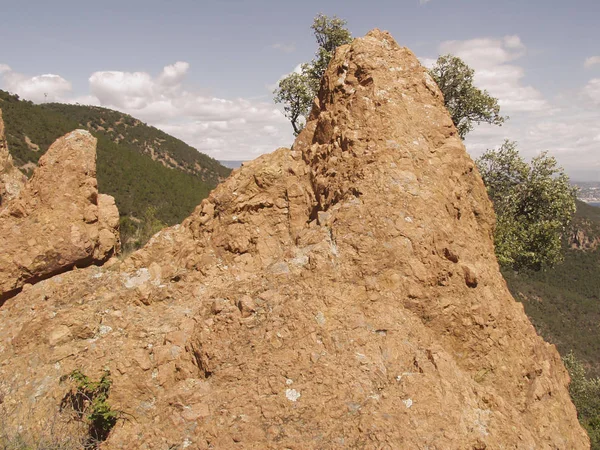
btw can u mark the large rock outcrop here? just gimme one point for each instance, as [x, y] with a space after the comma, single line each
[12, 179]
[341, 294]
[58, 220]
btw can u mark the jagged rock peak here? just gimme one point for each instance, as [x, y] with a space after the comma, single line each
[342, 294]
[11, 178]
[58, 220]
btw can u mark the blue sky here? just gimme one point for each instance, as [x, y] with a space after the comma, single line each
[203, 70]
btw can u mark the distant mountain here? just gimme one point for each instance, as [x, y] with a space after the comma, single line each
[563, 303]
[156, 179]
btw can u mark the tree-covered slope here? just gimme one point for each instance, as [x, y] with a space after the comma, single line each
[121, 128]
[564, 302]
[156, 179]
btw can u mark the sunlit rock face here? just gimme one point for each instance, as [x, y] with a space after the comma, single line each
[58, 220]
[341, 294]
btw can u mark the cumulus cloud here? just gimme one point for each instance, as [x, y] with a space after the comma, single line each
[236, 129]
[224, 128]
[427, 62]
[591, 61]
[592, 90]
[39, 88]
[494, 71]
[422, 2]
[567, 126]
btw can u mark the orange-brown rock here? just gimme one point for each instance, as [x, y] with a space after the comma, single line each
[58, 221]
[342, 294]
[11, 178]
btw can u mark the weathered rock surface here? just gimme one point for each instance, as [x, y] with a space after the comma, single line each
[343, 294]
[58, 221]
[12, 179]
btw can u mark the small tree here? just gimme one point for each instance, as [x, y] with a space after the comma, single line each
[296, 94]
[534, 204]
[297, 90]
[466, 103]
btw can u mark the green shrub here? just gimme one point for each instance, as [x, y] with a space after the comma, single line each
[89, 401]
[585, 393]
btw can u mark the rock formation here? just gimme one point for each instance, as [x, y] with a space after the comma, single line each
[582, 236]
[58, 221]
[11, 178]
[341, 294]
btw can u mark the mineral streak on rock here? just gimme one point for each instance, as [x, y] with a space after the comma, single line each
[341, 294]
[58, 220]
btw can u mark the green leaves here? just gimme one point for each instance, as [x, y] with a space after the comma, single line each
[585, 393]
[297, 90]
[89, 400]
[296, 93]
[466, 103]
[534, 204]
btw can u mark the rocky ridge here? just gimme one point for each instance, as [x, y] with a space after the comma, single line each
[58, 220]
[340, 294]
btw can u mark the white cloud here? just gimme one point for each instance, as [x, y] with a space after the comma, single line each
[422, 2]
[567, 125]
[224, 128]
[235, 129]
[273, 86]
[427, 62]
[39, 88]
[591, 61]
[285, 48]
[592, 90]
[490, 58]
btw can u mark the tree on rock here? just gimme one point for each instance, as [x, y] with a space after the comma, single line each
[296, 94]
[466, 103]
[534, 204]
[297, 90]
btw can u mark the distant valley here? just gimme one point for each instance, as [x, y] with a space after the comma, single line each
[589, 191]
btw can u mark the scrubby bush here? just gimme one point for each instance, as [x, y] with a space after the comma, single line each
[585, 393]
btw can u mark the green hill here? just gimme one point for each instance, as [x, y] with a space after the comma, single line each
[564, 302]
[156, 179]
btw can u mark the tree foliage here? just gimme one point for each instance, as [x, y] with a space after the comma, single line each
[297, 90]
[466, 103]
[585, 393]
[296, 94]
[534, 204]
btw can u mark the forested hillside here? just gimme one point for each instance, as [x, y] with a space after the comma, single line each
[564, 302]
[156, 179]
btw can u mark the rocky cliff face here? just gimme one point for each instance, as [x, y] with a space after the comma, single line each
[11, 179]
[58, 220]
[341, 294]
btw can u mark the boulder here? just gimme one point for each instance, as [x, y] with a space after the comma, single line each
[340, 294]
[58, 221]
[12, 179]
